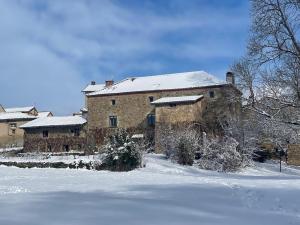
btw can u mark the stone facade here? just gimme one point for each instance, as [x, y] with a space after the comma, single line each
[177, 116]
[132, 109]
[55, 139]
[10, 133]
[294, 154]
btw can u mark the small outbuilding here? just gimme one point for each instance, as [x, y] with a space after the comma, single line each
[55, 134]
[175, 113]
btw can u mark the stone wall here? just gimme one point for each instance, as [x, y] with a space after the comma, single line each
[294, 154]
[7, 138]
[176, 118]
[57, 140]
[132, 109]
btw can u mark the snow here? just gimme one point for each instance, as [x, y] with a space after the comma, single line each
[48, 158]
[55, 121]
[3, 150]
[137, 136]
[84, 109]
[19, 109]
[162, 82]
[163, 193]
[95, 87]
[15, 115]
[192, 98]
[44, 114]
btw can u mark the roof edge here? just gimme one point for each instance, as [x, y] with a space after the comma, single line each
[160, 90]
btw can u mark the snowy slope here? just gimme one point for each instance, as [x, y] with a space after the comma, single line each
[160, 194]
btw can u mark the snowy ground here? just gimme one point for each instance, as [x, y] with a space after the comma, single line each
[161, 193]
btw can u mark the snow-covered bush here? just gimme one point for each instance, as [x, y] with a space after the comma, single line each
[121, 153]
[222, 154]
[181, 145]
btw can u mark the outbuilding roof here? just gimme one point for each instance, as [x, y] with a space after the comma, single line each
[162, 82]
[44, 114]
[15, 116]
[19, 109]
[180, 99]
[55, 121]
[93, 87]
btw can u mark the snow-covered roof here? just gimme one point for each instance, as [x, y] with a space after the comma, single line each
[93, 87]
[54, 121]
[19, 109]
[2, 108]
[180, 99]
[15, 116]
[84, 109]
[162, 82]
[44, 114]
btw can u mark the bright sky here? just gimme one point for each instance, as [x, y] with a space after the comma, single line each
[51, 49]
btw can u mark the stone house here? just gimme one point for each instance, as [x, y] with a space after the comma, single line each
[133, 103]
[55, 134]
[10, 121]
[92, 87]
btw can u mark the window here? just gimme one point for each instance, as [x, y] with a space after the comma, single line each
[75, 132]
[113, 121]
[66, 148]
[113, 102]
[211, 94]
[45, 133]
[151, 119]
[172, 105]
[12, 128]
[151, 98]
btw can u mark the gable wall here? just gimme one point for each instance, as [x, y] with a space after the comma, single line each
[7, 139]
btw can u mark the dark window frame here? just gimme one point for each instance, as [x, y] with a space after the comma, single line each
[113, 102]
[45, 133]
[75, 132]
[66, 148]
[211, 94]
[113, 121]
[151, 98]
[151, 119]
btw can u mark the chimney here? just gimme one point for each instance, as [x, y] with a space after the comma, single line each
[109, 83]
[230, 78]
[93, 82]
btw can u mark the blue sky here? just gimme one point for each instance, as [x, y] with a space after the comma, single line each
[51, 49]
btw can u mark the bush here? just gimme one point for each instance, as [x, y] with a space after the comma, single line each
[121, 153]
[181, 145]
[222, 154]
[184, 152]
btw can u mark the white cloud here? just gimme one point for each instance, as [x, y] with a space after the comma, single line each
[51, 49]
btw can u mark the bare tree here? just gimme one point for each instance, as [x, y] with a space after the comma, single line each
[274, 30]
[269, 75]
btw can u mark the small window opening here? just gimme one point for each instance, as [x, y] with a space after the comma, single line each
[151, 98]
[45, 133]
[151, 119]
[113, 121]
[66, 148]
